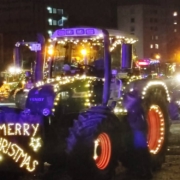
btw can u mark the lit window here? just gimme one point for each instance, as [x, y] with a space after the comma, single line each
[49, 9]
[54, 23]
[175, 30]
[151, 46]
[60, 11]
[64, 18]
[50, 22]
[157, 46]
[60, 22]
[175, 13]
[50, 32]
[156, 37]
[175, 22]
[54, 11]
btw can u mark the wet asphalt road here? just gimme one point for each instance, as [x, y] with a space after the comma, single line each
[171, 168]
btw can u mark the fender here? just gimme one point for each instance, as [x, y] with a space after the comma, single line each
[141, 87]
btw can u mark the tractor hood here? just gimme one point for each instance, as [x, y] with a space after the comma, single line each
[41, 99]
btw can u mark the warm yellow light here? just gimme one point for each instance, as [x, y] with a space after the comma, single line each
[17, 129]
[175, 13]
[96, 144]
[83, 52]
[157, 56]
[1, 158]
[15, 70]
[35, 143]
[18, 155]
[50, 51]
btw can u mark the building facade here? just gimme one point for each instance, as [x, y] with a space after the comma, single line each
[156, 26]
[1, 47]
[148, 24]
[21, 21]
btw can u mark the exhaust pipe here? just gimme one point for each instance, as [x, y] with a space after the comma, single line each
[39, 64]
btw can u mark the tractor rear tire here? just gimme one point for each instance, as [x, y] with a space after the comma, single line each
[149, 123]
[156, 111]
[93, 145]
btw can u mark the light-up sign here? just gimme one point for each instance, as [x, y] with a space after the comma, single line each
[35, 143]
[12, 129]
[11, 146]
[143, 62]
[146, 62]
[76, 32]
[18, 154]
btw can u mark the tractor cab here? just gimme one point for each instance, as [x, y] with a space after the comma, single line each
[82, 51]
[78, 60]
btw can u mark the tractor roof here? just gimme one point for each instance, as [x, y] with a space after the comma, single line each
[90, 32]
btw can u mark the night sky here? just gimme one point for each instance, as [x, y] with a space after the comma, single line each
[101, 13]
[92, 12]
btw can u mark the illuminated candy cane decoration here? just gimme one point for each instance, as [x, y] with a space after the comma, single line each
[156, 129]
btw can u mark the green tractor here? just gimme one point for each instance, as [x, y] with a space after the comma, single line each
[94, 110]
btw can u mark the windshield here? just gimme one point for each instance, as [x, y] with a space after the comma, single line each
[70, 55]
[76, 53]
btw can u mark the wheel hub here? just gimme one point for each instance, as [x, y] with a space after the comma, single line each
[156, 129]
[102, 151]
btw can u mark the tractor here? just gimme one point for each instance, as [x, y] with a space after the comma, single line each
[169, 72]
[13, 79]
[19, 77]
[93, 111]
[114, 115]
[30, 75]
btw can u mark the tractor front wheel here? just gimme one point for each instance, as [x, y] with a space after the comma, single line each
[94, 144]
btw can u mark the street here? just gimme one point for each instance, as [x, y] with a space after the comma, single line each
[171, 168]
[169, 171]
